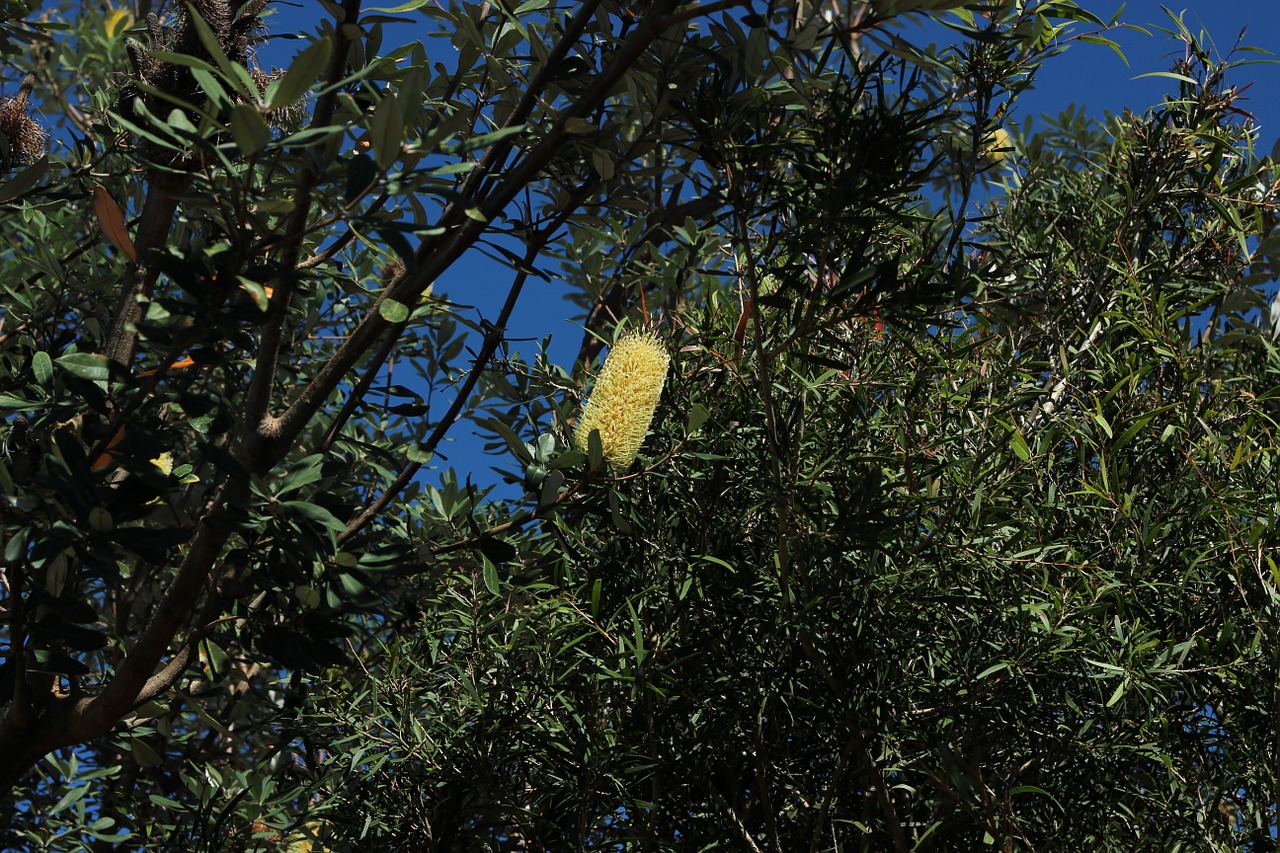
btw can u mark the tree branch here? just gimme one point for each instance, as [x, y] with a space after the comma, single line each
[434, 258]
[258, 424]
[492, 340]
[96, 716]
[163, 189]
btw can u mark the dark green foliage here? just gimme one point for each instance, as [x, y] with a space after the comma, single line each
[954, 530]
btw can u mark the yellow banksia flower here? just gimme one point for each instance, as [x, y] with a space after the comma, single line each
[625, 396]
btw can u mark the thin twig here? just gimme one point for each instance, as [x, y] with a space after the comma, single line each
[492, 340]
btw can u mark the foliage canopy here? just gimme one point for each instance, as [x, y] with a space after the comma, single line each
[955, 525]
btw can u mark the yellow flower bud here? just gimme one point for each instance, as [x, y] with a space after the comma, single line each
[997, 146]
[625, 396]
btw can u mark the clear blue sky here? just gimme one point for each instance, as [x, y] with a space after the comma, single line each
[1090, 76]
[1095, 77]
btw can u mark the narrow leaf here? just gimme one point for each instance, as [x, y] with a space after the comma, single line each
[386, 131]
[24, 180]
[491, 577]
[111, 221]
[303, 72]
[231, 71]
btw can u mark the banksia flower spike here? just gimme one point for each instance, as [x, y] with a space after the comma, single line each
[625, 396]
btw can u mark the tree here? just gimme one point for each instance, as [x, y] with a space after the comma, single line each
[954, 525]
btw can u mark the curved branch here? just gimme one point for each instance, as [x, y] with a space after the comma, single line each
[102, 712]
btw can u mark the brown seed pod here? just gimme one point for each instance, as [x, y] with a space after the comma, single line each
[236, 26]
[24, 139]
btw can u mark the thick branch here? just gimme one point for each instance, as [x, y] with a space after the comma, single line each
[72, 719]
[174, 609]
[154, 225]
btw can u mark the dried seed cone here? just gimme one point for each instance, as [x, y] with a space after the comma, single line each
[25, 138]
[626, 394]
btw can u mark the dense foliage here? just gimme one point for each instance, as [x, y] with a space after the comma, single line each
[954, 528]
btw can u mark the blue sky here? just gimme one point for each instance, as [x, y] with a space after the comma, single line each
[1095, 77]
[1090, 76]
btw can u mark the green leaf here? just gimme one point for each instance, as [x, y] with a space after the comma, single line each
[86, 365]
[231, 71]
[9, 402]
[308, 596]
[490, 575]
[355, 588]
[304, 472]
[24, 180]
[517, 446]
[615, 512]
[316, 513]
[213, 660]
[42, 367]
[595, 451]
[530, 6]
[1181, 78]
[74, 795]
[144, 753]
[393, 311]
[1120, 690]
[256, 292]
[1101, 420]
[403, 7]
[211, 83]
[304, 71]
[698, 415]
[485, 139]
[1032, 789]
[249, 129]
[551, 487]
[46, 660]
[1105, 42]
[1019, 445]
[386, 131]
[569, 459]
[184, 60]
[207, 718]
